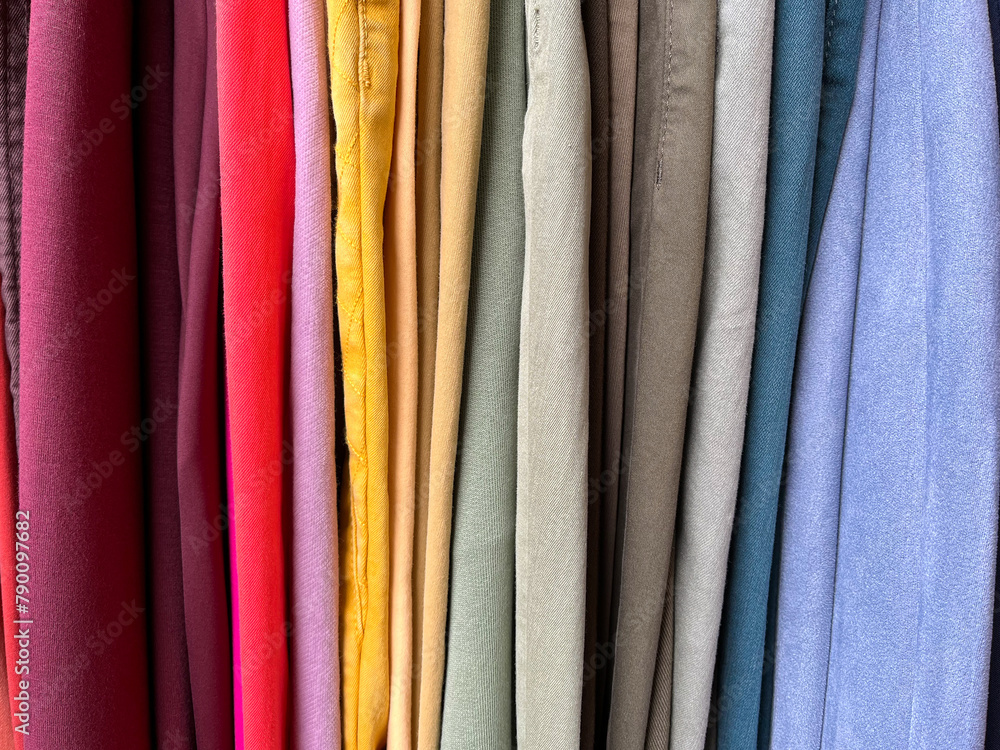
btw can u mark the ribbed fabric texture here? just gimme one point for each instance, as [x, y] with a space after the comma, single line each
[478, 708]
[466, 34]
[80, 464]
[13, 75]
[553, 389]
[363, 61]
[314, 660]
[200, 483]
[724, 347]
[257, 195]
[160, 316]
[402, 337]
[795, 101]
[913, 598]
[842, 40]
[670, 186]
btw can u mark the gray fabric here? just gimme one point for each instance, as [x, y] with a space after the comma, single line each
[13, 72]
[478, 710]
[552, 423]
[723, 351]
[673, 144]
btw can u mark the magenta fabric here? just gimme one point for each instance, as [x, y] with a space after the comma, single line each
[313, 642]
[80, 465]
[199, 411]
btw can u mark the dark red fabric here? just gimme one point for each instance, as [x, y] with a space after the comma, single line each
[80, 464]
[258, 188]
[199, 417]
[160, 315]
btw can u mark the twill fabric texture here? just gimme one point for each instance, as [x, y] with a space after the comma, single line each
[478, 704]
[723, 350]
[551, 518]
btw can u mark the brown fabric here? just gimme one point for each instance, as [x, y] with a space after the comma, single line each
[623, 40]
[595, 27]
[669, 211]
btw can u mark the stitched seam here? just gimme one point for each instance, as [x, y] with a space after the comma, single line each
[668, 65]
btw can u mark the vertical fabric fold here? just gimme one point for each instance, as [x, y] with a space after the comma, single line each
[257, 162]
[204, 521]
[314, 661]
[80, 463]
[478, 703]
[463, 88]
[796, 80]
[670, 187]
[723, 350]
[363, 40]
[553, 388]
[160, 334]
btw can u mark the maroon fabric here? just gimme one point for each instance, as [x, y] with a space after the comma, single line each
[199, 418]
[80, 471]
[160, 315]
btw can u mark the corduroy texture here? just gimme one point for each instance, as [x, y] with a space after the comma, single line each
[841, 46]
[314, 659]
[13, 75]
[623, 42]
[430, 66]
[463, 91]
[257, 194]
[673, 148]
[916, 546]
[478, 705]
[815, 452]
[723, 350]
[80, 464]
[364, 40]
[553, 389]
[160, 319]
[595, 29]
[402, 324]
[203, 520]
[795, 101]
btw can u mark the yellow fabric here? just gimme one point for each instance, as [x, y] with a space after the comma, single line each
[401, 333]
[466, 34]
[363, 43]
[428, 206]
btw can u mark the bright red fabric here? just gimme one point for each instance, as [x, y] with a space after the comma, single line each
[258, 188]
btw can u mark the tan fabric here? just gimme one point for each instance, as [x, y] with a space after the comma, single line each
[463, 91]
[428, 225]
[401, 337]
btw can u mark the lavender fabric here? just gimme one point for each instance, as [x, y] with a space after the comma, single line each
[314, 665]
[897, 573]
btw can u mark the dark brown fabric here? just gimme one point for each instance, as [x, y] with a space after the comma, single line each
[673, 143]
[595, 26]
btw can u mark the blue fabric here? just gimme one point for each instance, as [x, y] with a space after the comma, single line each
[811, 502]
[795, 104]
[841, 48]
[895, 557]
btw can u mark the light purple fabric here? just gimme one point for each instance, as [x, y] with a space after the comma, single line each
[315, 677]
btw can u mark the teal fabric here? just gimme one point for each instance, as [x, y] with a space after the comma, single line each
[841, 50]
[796, 83]
[478, 712]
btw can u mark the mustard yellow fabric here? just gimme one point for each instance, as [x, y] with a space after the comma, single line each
[466, 34]
[363, 48]
[401, 332]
